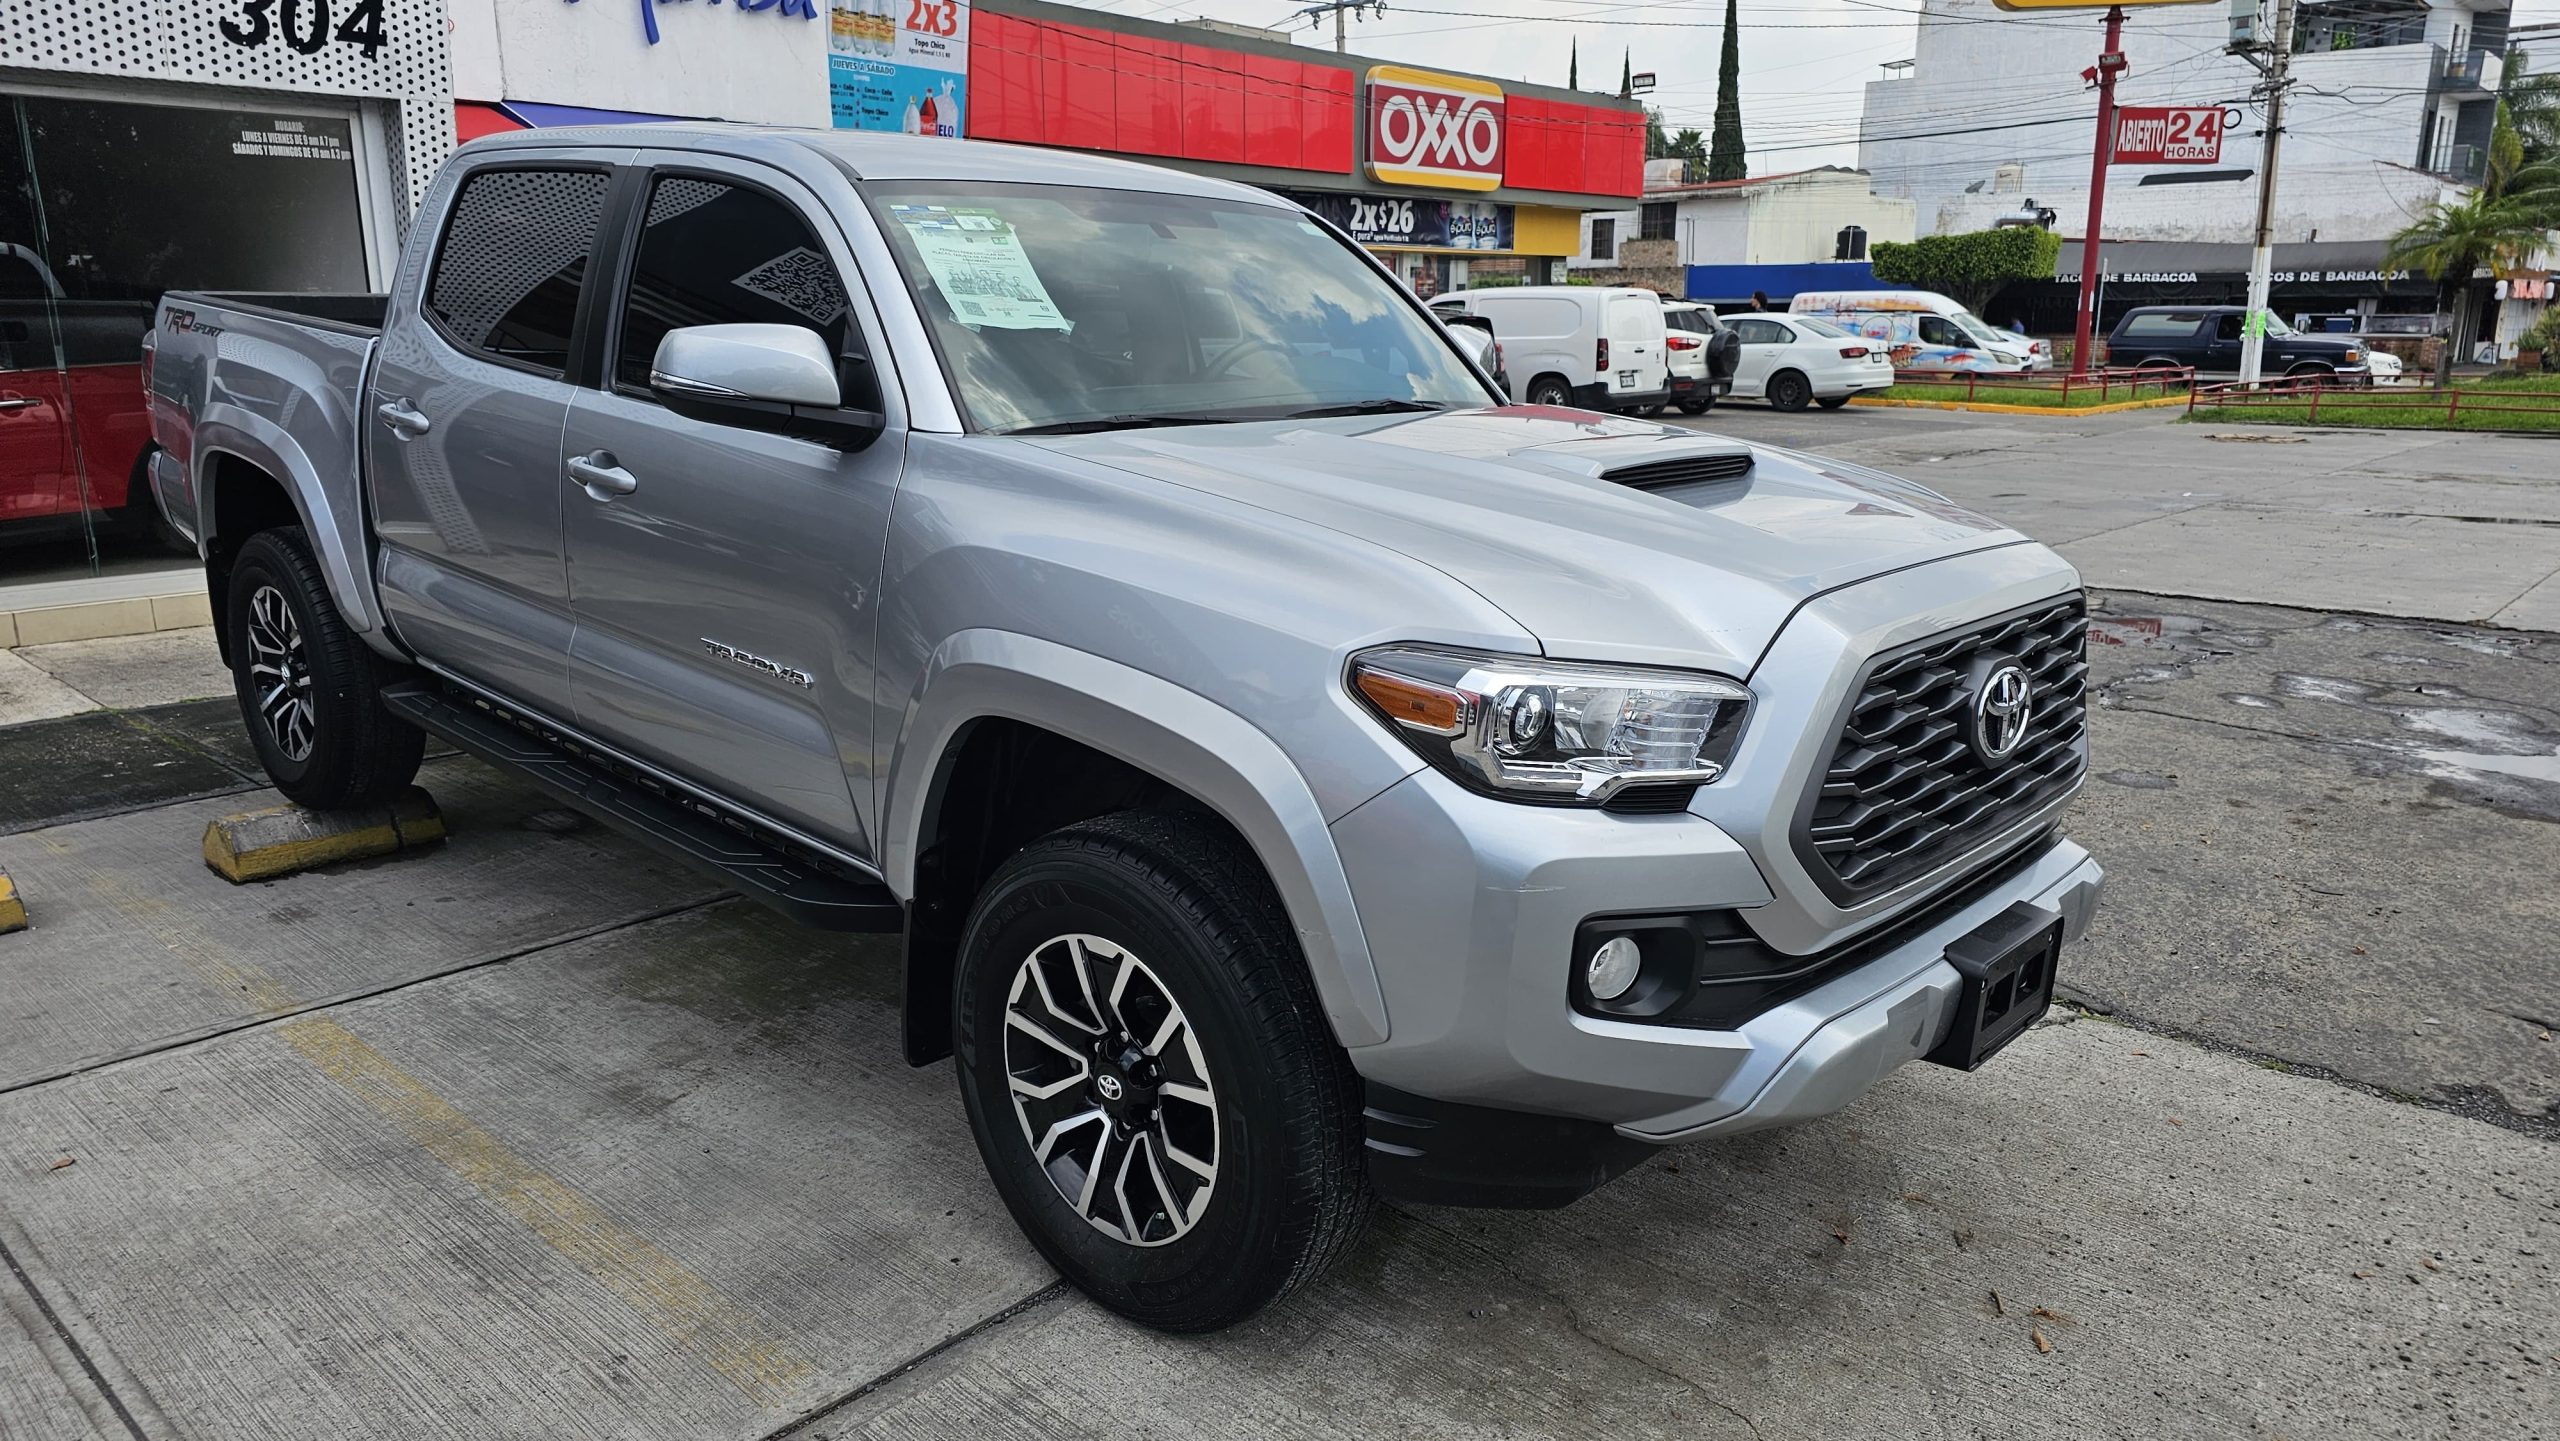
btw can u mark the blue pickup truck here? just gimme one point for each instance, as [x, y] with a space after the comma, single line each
[2208, 338]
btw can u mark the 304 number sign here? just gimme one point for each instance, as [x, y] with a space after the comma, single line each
[304, 25]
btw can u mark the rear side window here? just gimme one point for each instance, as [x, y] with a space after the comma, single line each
[2163, 325]
[513, 261]
[718, 254]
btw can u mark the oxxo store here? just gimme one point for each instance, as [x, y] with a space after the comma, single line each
[1450, 179]
[150, 145]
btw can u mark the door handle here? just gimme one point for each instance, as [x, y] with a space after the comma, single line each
[19, 402]
[602, 478]
[403, 418]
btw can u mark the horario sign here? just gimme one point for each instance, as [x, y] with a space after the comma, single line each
[2168, 135]
[1431, 129]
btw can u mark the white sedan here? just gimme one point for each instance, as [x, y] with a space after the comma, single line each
[1795, 360]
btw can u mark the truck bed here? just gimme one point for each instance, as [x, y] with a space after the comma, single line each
[275, 382]
[358, 312]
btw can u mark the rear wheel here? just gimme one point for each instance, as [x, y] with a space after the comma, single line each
[1550, 390]
[1832, 402]
[1789, 390]
[1151, 1082]
[310, 691]
[1697, 407]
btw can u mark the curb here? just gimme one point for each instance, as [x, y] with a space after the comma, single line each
[1998, 408]
[101, 619]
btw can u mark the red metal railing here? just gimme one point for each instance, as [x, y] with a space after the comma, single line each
[2151, 382]
[2310, 392]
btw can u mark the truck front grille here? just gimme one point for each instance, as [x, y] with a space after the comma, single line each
[1905, 789]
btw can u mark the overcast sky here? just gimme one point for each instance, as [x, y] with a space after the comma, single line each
[1805, 63]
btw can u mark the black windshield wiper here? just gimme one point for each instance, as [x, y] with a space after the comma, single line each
[1365, 407]
[1116, 422]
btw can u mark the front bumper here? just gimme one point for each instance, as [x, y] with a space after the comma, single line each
[1470, 906]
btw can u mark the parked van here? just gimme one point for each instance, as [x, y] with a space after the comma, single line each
[1600, 347]
[1923, 330]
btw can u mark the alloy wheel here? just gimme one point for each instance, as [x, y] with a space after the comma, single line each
[280, 673]
[1111, 1089]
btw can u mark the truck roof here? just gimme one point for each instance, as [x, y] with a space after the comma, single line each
[868, 155]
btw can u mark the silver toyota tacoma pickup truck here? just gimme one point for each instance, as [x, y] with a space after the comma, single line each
[1297, 774]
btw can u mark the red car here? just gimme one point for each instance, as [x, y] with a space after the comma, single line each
[74, 431]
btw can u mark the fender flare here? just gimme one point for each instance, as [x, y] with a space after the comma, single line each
[1180, 737]
[228, 430]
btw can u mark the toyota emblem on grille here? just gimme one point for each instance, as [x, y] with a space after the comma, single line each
[2003, 702]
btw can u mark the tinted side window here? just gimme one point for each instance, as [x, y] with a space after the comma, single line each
[514, 258]
[2227, 327]
[714, 254]
[1762, 332]
[2163, 325]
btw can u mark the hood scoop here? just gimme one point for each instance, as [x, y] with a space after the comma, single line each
[1731, 463]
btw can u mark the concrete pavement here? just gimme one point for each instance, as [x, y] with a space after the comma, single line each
[534, 1136]
[2423, 524]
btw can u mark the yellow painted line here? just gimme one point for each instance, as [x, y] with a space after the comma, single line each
[1999, 408]
[714, 1328]
[13, 909]
[724, 1335]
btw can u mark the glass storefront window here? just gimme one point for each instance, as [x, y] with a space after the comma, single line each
[104, 205]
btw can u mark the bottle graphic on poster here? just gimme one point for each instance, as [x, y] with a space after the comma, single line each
[844, 25]
[926, 124]
[907, 125]
[886, 29]
[946, 115]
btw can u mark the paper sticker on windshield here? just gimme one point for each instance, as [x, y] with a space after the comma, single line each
[977, 260]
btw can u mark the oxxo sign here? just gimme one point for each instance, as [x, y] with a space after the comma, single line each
[1431, 129]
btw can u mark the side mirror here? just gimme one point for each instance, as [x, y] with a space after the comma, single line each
[776, 378]
[1477, 344]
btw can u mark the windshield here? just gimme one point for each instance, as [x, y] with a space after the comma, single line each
[1972, 325]
[1058, 308]
[1823, 328]
[2276, 326]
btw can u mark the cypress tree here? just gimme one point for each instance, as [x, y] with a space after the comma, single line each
[1573, 67]
[1724, 151]
[1627, 76]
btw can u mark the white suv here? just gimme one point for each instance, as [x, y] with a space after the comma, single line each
[1793, 360]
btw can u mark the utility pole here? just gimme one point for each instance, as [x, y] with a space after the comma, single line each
[2111, 63]
[1314, 15]
[2262, 250]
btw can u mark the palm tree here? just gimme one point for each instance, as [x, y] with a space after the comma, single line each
[2451, 239]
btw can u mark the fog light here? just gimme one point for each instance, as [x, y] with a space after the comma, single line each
[1612, 968]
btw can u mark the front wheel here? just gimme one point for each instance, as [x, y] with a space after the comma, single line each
[1789, 391]
[1832, 402]
[1152, 1085]
[310, 692]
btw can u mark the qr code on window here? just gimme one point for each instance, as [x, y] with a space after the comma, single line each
[800, 279]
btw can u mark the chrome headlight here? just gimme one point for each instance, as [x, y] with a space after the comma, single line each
[1532, 729]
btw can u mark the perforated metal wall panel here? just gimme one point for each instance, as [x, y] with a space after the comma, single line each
[391, 51]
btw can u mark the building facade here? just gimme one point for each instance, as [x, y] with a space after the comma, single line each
[1510, 169]
[165, 144]
[2391, 110]
[1723, 240]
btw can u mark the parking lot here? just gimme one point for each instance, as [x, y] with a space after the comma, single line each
[531, 1134]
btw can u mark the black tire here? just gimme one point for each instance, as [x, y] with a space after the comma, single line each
[1185, 898]
[345, 749]
[2312, 370]
[1724, 353]
[1550, 390]
[1789, 390]
[1650, 411]
[1696, 407]
[1832, 402]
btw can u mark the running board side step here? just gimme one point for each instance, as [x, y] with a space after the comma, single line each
[808, 892]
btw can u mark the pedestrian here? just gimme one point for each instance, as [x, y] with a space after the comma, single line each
[1760, 300]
